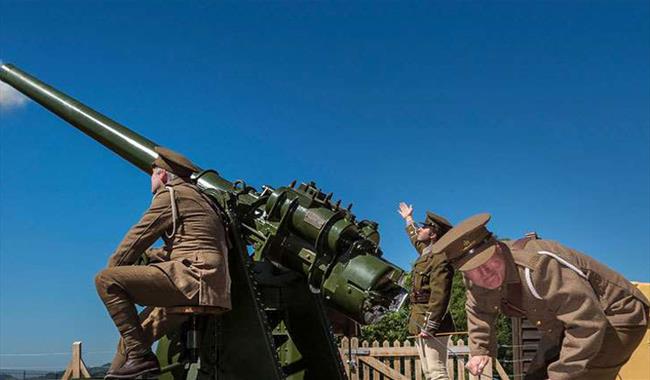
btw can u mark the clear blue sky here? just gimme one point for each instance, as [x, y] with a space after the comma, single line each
[536, 113]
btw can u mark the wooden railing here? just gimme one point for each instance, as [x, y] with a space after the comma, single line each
[400, 361]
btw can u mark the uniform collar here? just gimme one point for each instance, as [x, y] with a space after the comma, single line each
[176, 181]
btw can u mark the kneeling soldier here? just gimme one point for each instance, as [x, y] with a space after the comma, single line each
[192, 268]
[432, 279]
[590, 317]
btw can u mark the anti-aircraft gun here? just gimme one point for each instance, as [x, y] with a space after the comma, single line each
[294, 251]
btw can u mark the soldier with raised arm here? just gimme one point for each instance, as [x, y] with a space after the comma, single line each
[590, 317]
[432, 279]
[191, 269]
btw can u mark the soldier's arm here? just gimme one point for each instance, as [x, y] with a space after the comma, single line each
[143, 234]
[575, 304]
[482, 308]
[411, 231]
[440, 281]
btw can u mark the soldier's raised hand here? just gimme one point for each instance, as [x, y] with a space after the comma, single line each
[406, 211]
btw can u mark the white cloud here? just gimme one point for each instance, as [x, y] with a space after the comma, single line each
[10, 98]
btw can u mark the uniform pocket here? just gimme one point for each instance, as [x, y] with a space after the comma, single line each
[421, 271]
[199, 258]
[416, 319]
[208, 259]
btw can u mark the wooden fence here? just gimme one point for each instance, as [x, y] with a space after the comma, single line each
[400, 361]
[76, 368]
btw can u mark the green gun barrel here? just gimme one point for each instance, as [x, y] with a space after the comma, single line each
[116, 137]
[124, 142]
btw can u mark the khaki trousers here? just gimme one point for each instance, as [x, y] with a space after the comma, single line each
[618, 345]
[121, 288]
[433, 356]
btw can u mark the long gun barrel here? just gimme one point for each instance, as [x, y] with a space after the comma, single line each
[116, 137]
[129, 145]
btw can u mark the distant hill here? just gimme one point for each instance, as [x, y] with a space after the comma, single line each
[99, 371]
[18, 374]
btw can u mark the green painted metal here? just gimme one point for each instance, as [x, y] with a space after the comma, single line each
[294, 253]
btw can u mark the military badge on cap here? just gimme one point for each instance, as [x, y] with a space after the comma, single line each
[174, 162]
[439, 223]
[469, 244]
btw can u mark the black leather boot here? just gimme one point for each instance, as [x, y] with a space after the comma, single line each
[136, 367]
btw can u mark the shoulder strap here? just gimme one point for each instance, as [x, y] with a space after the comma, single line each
[529, 282]
[562, 261]
[223, 215]
[565, 263]
[172, 198]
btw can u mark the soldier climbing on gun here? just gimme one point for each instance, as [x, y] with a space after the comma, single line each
[192, 268]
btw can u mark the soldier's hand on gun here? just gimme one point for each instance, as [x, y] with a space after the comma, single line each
[406, 211]
[476, 364]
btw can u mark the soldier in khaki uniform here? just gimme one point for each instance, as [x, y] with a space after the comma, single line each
[432, 279]
[191, 269]
[591, 318]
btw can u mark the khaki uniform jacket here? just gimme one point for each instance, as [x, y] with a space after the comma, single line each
[558, 300]
[195, 257]
[431, 291]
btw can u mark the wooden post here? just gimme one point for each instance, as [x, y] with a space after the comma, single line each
[354, 360]
[387, 360]
[407, 361]
[517, 350]
[366, 369]
[500, 370]
[418, 365]
[450, 358]
[375, 373]
[460, 361]
[344, 350]
[77, 368]
[397, 360]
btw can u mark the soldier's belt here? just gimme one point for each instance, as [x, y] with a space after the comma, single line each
[421, 296]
